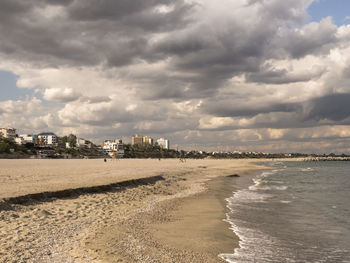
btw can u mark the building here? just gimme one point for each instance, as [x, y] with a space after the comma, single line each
[82, 143]
[148, 140]
[8, 133]
[27, 138]
[141, 139]
[137, 139]
[48, 138]
[164, 143]
[113, 148]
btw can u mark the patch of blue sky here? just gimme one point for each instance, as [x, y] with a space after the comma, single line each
[9, 89]
[339, 10]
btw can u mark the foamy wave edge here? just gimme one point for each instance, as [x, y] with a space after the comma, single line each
[227, 256]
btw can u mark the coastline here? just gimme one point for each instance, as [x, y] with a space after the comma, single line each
[189, 226]
[176, 219]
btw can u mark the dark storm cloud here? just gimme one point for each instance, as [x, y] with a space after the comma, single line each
[58, 2]
[86, 32]
[230, 108]
[315, 38]
[111, 9]
[268, 75]
[142, 14]
[11, 7]
[334, 107]
[119, 33]
[218, 53]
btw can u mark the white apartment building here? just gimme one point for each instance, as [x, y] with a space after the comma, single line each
[47, 138]
[113, 148]
[82, 143]
[29, 138]
[8, 132]
[26, 138]
[164, 143]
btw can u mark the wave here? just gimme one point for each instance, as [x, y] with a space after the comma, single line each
[250, 239]
[260, 182]
[254, 216]
[285, 202]
[247, 196]
[250, 249]
[309, 169]
[266, 188]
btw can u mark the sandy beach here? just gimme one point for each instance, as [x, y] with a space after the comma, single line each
[119, 211]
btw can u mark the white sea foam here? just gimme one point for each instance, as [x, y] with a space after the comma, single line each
[264, 188]
[247, 196]
[250, 249]
[250, 239]
[285, 202]
[277, 163]
[260, 182]
[307, 169]
[280, 188]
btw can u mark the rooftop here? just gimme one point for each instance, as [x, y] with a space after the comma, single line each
[47, 133]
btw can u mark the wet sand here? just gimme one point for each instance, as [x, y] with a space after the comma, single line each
[175, 217]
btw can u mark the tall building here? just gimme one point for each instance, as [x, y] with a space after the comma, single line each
[141, 139]
[8, 133]
[164, 143]
[137, 139]
[147, 140]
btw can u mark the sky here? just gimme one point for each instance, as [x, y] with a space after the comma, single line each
[246, 75]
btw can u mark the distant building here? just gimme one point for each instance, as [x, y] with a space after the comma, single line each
[148, 140]
[113, 148]
[164, 143]
[79, 143]
[137, 139]
[82, 143]
[19, 140]
[141, 139]
[8, 133]
[27, 138]
[48, 138]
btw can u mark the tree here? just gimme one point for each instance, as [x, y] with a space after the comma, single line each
[71, 139]
[4, 147]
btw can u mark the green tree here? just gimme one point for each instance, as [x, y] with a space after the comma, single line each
[71, 139]
[4, 147]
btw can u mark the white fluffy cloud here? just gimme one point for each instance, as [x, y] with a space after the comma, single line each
[20, 107]
[61, 95]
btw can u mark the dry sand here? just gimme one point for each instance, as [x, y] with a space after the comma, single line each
[173, 216]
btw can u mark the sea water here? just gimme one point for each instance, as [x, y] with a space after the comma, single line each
[299, 212]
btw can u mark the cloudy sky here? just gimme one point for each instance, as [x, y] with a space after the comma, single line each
[254, 75]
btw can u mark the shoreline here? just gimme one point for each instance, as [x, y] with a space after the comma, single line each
[130, 224]
[187, 227]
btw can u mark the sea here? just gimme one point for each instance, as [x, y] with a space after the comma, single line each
[298, 212]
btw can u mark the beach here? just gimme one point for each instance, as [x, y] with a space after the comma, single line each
[119, 211]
